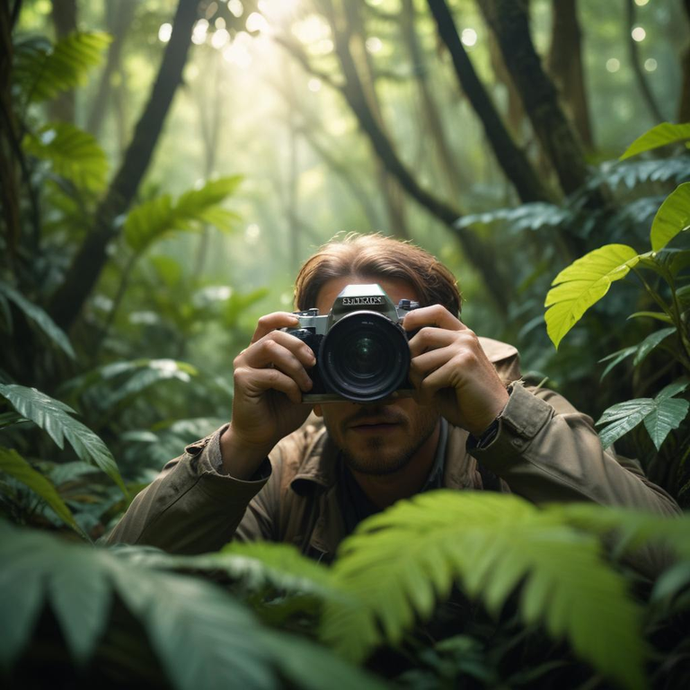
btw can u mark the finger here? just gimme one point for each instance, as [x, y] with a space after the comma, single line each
[269, 353]
[424, 364]
[449, 375]
[432, 338]
[435, 315]
[273, 321]
[257, 381]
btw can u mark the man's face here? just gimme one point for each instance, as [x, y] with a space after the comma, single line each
[376, 439]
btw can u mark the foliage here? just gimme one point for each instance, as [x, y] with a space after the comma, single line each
[581, 285]
[386, 580]
[15, 466]
[72, 153]
[201, 636]
[661, 135]
[54, 417]
[42, 70]
[152, 220]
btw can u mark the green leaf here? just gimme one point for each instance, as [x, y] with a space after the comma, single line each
[14, 464]
[650, 342]
[616, 358]
[54, 417]
[666, 416]
[22, 592]
[672, 218]
[81, 600]
[42, 71]
[203, 204]
[40, 318]
[658, 315]
[148, 222]
[673, 388]
[73, 154]
[583, 284]
[623, 417]
[399, 562]
[175, 610]
[156, 218]
[661, 135]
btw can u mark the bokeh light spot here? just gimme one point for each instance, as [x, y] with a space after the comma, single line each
[639, 34]
[468, 37]
[613, 64]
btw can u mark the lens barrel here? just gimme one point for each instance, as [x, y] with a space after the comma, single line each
[364, 357]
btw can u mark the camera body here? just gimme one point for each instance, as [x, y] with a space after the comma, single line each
[362, 352]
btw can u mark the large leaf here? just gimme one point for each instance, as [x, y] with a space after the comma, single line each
[40, 318]
[583, 284]
[399, 562]
[156, 218]
[661, 135]
[661, 415]
[667, 415]
[14, 464]
[54, 417]
[73, 154]
[672, 218]
[42, 71]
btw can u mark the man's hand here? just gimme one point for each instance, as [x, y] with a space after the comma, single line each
[450, 371]
[270, 377]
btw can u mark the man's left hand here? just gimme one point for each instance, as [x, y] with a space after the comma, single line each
[450, 370]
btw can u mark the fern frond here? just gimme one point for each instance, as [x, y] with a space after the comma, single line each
[41, 71]
[399, 563]
[633, 529]
[201, 636]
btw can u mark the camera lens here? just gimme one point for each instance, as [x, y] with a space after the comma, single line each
[364, 357]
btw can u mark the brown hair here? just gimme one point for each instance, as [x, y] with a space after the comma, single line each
[378, 255]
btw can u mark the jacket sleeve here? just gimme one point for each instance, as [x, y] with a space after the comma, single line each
[547, 451]
[191, 508]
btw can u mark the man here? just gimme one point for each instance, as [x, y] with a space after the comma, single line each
[274, 474]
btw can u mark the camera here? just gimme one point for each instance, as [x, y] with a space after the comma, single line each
[362, 352]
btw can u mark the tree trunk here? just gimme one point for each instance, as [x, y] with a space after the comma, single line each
[91, 257]
[508, 20]
[452, 175]
[512, 159]
[64, 14]
[119, 19]
[634, 55]
[564, 64]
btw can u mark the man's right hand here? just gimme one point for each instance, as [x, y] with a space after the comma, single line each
[270, 377]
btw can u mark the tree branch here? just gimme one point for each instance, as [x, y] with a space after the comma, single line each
[512, 159]
[508, 20]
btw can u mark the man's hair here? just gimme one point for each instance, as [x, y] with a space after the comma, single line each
[378, 256]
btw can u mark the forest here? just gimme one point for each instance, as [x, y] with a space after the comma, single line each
[166, 167]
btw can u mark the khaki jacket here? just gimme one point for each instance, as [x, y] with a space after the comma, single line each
[545, 451]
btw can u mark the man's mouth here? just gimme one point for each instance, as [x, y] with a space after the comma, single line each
[374, 425]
